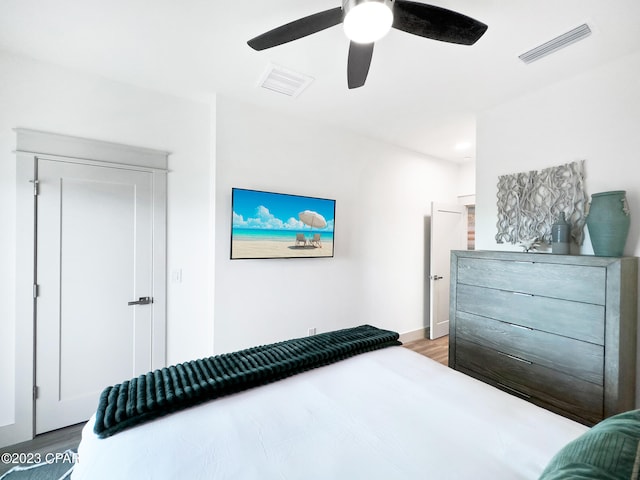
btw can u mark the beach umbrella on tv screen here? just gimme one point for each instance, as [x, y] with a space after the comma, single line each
[313, 219]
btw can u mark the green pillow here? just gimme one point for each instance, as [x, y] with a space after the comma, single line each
[608, 451]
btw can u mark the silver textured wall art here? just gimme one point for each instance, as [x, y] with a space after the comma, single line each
[529, 203]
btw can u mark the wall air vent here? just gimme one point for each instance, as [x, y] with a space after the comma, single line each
[557, 43]
[285, 81]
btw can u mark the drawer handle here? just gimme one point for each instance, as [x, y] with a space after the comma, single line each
[517, 392]
[523, 294]
[513, 357]
[521, 327]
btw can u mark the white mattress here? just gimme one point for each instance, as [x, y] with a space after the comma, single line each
[388, 414]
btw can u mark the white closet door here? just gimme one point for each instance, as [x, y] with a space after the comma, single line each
[94, 255]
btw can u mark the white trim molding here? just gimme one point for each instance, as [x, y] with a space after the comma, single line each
[47, 143]
[419, 334]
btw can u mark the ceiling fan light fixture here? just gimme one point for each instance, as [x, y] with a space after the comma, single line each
[366, 21]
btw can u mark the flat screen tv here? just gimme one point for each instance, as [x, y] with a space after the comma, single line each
[279, 225]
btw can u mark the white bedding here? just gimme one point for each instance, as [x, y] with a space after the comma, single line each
[388, 414]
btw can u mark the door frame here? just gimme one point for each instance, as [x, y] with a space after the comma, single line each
[31, 145]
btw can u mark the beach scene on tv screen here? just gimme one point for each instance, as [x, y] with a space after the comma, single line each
[276, 225]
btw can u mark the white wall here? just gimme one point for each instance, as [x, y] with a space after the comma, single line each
[43, 97]
[594, 116]
[467, 179]
[383, 195]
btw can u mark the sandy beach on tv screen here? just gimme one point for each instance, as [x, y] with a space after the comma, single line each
[277, 249]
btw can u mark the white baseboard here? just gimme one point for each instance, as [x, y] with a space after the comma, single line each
[419, 334]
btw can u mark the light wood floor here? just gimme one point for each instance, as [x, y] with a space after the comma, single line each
[437, 349]
[69, 438]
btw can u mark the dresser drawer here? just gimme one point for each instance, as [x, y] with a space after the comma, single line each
[582, 321]
[570, 282]
[531, 381]
[582, 360]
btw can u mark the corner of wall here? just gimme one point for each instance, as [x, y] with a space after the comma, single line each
[212, 214]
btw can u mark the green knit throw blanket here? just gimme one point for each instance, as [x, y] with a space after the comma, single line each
[181, 386]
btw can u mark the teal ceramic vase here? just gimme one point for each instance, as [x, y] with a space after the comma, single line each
[608, 223]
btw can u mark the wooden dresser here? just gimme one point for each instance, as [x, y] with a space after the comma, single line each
[557, 330]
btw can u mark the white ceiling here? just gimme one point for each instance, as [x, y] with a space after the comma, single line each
[420, 94]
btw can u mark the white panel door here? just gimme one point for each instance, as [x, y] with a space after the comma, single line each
[447, 233]
[94, 255]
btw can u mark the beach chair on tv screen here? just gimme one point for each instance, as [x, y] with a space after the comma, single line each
[300, 238]
[315, 241]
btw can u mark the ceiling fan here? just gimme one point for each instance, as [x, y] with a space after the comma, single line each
[366, 21]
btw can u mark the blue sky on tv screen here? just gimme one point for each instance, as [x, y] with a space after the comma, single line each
[254, 209]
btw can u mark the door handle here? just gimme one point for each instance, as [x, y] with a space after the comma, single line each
[435, 277]
[141, 301]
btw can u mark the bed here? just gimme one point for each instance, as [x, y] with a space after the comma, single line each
[381, 414]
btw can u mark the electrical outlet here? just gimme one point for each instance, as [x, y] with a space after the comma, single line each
[312, 331]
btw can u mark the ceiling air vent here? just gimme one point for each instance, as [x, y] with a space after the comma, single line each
[557, 43]
[285, 81]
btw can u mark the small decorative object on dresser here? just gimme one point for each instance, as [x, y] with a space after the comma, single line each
[608, 223]
[560, 235]
[530, 245]
[559, 331]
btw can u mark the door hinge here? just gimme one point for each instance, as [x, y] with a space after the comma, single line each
[36, 290]
[35, 392]
[36, 187]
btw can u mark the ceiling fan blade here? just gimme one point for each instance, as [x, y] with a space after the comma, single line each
[436, 23]
[358, 64]
[297, 29]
